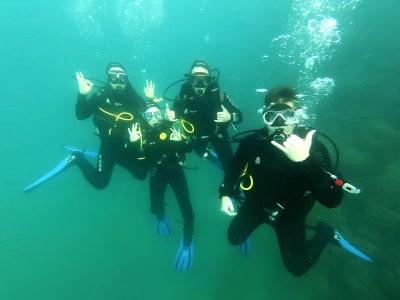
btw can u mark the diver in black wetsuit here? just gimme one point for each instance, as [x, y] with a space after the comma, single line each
[282, 170]
[115, 107]
[210, 111]
[164, 149]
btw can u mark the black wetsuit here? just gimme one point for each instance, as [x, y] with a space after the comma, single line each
[164, 158]
[201, 113]
[112, 114]
[282, 193]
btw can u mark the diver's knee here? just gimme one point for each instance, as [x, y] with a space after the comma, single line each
[295, 263]
[100, 185]
[235, 239]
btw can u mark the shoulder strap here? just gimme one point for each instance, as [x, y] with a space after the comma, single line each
[221, 96]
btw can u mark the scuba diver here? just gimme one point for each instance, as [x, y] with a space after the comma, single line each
[163, 147]
[201, 103]
[115, 107]
[282, 170]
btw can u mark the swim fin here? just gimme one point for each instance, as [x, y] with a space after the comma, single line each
[74, 149]
[345, 244]
[184, 257]
[245, 246]
[163, 228]
[213, 157]
[60, 167]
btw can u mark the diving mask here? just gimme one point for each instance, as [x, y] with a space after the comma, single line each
[200, 81]
[117, 77]
[200, 84]
[282, 117]
[148, 115]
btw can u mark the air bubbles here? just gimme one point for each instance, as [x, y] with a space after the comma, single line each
[323, 86]
[264, 58]
[310, 62]
[314, 31]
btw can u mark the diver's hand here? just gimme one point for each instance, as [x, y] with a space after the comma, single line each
[223, 116]
[170, 114]
[149, 91]
[135, 133]
[85, 85]
[175, 135]
[295, 148]
[227, 206]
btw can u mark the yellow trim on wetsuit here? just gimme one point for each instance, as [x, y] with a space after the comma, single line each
[249, 187]
[186, 125]
[120, 116]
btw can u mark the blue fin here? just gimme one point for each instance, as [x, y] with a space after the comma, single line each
[338, 237]
[163, 228]
[245, 246]
[84, 152]
[184, 257]
[61, 166]
[213, 157]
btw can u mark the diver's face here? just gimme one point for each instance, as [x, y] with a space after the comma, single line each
[117, 78]
[199, 91]
[288, 129]
[153, 116]
[200, 80]
[281, 117]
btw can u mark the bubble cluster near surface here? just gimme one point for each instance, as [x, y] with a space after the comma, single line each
[313, 35]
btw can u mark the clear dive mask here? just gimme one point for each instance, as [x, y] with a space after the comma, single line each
[117, 77]
[282, 117]
[200, 81]
[148, 115]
